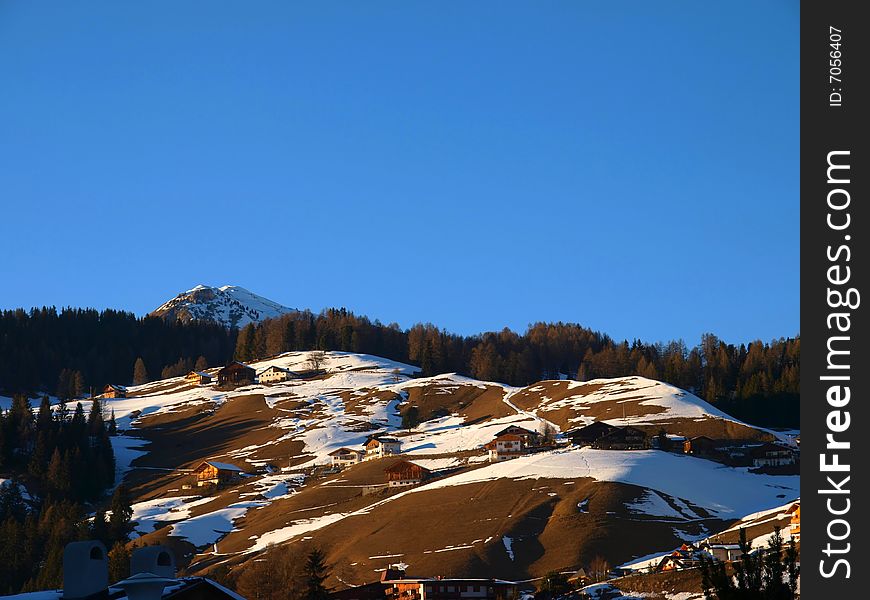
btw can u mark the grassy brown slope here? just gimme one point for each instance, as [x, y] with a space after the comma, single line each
[530, 399]
[476, 402]
[183, 437]
[430, 529]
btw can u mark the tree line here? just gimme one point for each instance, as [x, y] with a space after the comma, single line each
[758, 382]
[65, 461]
[71, 351]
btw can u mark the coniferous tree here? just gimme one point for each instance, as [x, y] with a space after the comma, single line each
[122, 511]
[113, 424]
[140, 373]
[316, 572]
[201, 364]
[119, 563]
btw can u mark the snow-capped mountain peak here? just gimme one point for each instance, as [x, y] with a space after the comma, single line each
[228, 305]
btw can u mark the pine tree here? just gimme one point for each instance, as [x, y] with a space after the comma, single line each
[119, 563]
[99, 529]
[113, 425]
[410, 418]
[122, 511]
[316, 572]
[58, 476]
[78, 384]
[201, 364]
[95, 418]
[140, 373]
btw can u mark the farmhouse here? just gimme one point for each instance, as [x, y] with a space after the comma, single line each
[622, 438]
[114, 391]
[198, 378]
[588, 435]
[722, 552]
[684, 557]
[505, 447]
[432, 588]
[771, 455]
[210, 472]
[275, 374]
[379, 447]
[236, 373]
[346, 456]
[527, 438]
[405, 473]
[395, 585]
[699, 446]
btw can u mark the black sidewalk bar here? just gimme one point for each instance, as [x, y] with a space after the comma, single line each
[835, 225]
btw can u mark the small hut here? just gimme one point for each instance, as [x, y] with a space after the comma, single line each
[210, 472]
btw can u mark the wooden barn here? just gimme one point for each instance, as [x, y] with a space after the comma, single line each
[114, 391]
[198, 378]
[236, 373]
[622, 438]
[210, 472]
[771, 455]
[699, 445]
[588, 435]
[405, 473]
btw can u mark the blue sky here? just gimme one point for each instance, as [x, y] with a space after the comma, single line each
[631, 166]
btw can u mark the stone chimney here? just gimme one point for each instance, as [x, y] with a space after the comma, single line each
[85, 570]
[157, 560]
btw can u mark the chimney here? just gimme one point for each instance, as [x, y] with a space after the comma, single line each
[157, 560]
[85, 570]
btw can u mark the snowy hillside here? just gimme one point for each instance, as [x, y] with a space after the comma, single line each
[563, 499]
[229, 305]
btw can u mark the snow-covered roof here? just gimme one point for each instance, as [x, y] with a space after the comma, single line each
[223, 466]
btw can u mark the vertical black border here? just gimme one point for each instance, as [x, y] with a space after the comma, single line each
[826, 128]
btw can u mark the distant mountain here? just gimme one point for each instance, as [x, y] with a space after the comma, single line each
[229, 305]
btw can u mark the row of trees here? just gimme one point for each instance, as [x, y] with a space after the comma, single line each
[758, 381]
[96, 347]
[60, 455]
[66, 461]
[73, 350]
[33, 535]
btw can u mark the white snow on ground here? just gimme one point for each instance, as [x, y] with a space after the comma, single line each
[208, 528]
[126, 449]
[296, 528]
[650, 560]
[651, 503]
[678, 403]
[149, 513]
[508, 546]
[723, 491]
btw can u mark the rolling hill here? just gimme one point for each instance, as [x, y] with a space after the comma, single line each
[517, 519]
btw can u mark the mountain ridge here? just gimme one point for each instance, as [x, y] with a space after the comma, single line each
[228, 305]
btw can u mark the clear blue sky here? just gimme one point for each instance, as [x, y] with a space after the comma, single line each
[631, 166]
